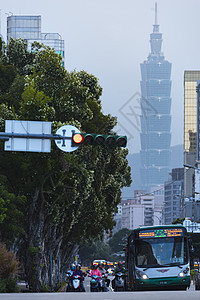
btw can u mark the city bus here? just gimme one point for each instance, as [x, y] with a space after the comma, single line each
[157, 258]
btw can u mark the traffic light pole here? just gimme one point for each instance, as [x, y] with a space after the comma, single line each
[5, 136]
[19, 136]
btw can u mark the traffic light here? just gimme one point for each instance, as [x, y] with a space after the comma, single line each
[98, 139]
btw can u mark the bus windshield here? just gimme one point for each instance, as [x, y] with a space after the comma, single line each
[154, 252]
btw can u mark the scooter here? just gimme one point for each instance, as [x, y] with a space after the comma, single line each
[95, 283]
[119, 282]
[76, 283]
[104, 282]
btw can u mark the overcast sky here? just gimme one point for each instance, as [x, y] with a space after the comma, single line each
[110, 38]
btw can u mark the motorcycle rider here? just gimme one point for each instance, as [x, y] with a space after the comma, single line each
[118, 269]
[78, 271]
[95, 271]
[68, 277]
[105, 273]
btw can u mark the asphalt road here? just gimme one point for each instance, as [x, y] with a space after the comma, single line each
[190, 294]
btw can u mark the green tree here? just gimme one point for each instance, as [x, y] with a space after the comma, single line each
[10, 213]
[70, 197]
[119, 240]
[94, 249]
[178, 221]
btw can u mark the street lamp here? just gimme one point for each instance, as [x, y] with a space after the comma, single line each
[197, 179]
[159, 218]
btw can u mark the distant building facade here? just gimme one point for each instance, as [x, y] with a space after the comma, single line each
[158, 193]
[173, 206]
[29, 28]
[138, 211]
[132, 214]
[155, 114]
[118, 219]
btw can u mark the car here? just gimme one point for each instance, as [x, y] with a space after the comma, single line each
[23, 286]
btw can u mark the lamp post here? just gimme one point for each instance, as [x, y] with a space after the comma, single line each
[196, 198]
[197, 179]
[159, 218]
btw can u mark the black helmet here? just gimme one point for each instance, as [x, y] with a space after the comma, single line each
[120, 264]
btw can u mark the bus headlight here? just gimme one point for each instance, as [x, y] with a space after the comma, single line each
[183, 273]
[141, 275]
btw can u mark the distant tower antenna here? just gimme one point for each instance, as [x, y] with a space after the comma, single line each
[156, 19]
[156, 26]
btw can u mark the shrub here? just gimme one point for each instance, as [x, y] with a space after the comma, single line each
[9, 266]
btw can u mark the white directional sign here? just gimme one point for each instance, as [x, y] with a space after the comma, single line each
[26, 143]
[66, 144]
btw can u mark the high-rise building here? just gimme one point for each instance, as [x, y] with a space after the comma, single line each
[155, 114]
[190, 129]
[29, 28]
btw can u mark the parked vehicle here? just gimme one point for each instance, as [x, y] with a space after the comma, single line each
[23, 286]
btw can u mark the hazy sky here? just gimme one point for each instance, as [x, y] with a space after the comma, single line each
[110, 38]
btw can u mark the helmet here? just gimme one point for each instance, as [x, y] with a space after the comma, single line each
[95, 265]
[120, 264]
[72, 267]
[78, 267]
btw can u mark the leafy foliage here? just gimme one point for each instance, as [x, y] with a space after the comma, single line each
[178, 221]
[56, 200]
[10, 213]
[95, 249]
[119, 240]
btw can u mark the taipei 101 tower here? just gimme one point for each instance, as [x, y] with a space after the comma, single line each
[155, 114]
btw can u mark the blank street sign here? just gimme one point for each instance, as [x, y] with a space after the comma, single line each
[28, 144]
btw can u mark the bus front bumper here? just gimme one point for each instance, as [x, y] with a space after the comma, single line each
[167, 283]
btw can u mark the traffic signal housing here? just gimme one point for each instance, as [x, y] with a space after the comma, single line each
[98, 140]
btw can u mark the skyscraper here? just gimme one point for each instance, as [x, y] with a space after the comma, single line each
[190, 128]
[155, 113]
[29, 28]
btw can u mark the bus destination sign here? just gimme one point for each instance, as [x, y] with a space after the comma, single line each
[159, 233]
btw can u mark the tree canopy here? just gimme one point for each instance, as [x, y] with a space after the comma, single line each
[57, 199]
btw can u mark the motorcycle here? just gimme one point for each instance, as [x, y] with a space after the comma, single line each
[68, 281]
[119, 282]
[76, 283]
[104, 282]
[95, 283]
